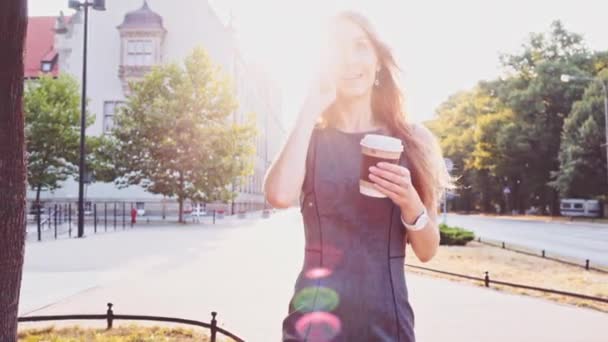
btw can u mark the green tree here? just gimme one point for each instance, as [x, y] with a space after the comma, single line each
[541, 102]
[498, 142]
[100, 158]
[176, 137]
[52, 131]
[457, 126]
[582, 157]
[516, 132]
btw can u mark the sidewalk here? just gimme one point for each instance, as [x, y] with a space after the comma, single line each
[449, 311]
[246, 274]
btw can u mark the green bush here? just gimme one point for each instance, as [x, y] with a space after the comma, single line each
[454, 236]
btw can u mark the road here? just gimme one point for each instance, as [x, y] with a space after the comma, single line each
[245, 270]
[578, 240]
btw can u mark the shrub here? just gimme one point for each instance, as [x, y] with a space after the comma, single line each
[454, 236]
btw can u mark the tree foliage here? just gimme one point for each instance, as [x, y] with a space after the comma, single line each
[176, 135]
[582, 155]
[522, 132]
[52, 131]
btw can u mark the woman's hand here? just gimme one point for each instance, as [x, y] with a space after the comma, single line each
[321, 95]
[322, 89]
[395, 182]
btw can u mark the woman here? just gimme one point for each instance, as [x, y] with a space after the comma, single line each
[352, 284]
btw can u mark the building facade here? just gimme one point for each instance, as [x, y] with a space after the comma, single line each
[130, 37]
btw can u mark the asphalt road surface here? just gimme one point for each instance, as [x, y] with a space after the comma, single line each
[578, 240]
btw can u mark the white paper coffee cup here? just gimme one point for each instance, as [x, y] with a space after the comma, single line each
[376, 148]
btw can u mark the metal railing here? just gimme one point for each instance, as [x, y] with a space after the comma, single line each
[543, 254]
[487, 282]
[59, 219]
[110, 317]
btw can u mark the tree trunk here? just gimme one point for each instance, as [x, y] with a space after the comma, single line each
[13, 25]
[180, 198]
[555, 203]
[181, 209]
[485, 193]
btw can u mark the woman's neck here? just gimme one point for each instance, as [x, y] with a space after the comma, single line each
[355, 115]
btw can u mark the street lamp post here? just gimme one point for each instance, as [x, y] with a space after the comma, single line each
[568, 78]
[99, 5]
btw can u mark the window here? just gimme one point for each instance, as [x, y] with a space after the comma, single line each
[139, 53]
[110, 108]
[578, 206]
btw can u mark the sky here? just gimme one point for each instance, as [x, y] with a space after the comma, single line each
[442, 46]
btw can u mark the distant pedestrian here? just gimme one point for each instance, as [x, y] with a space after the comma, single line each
[133, 216]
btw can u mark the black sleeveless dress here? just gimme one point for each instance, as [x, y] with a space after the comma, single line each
[352, 284]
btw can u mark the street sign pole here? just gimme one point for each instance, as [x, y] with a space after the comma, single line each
[449, 165]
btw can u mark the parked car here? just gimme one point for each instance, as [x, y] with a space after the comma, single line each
[141, 211]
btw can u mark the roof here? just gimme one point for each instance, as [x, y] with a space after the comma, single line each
[143, 18]
[39, 46]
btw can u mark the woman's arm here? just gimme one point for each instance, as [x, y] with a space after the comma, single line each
[425, 242]
[284, 178]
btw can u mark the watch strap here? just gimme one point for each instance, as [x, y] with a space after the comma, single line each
[414, 226]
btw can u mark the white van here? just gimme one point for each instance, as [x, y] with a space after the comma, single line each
[578, 207]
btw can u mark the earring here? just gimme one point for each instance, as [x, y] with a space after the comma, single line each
[377, 81]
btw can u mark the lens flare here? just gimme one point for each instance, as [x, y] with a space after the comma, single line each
[318, 326]
[316, 299]
[317, 273]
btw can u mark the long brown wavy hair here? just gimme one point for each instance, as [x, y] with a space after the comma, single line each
[424, 158]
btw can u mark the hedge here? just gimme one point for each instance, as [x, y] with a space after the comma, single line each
[454, 236]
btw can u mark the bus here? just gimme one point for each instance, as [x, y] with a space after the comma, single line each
[578, 207]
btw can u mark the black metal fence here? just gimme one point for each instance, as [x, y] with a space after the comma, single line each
[586, 263]
[58, 220]
[110, 317]
[487, 282]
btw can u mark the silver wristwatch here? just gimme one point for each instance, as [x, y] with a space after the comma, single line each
[421, 221]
